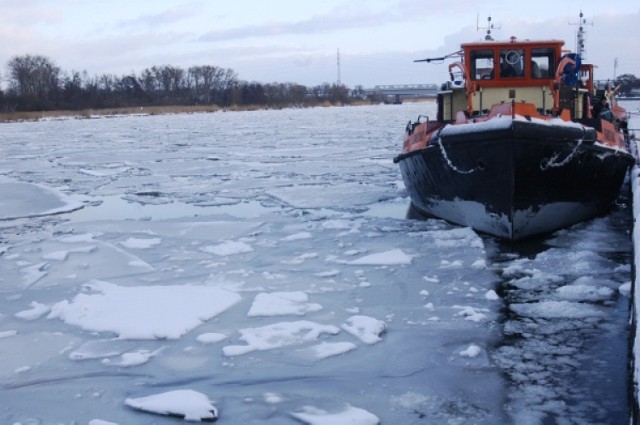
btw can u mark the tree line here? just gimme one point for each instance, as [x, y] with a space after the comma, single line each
[36, 83]
[629, 85]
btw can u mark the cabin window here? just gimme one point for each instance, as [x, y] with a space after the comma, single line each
[482, 64]
[511, 63]
[542, 63]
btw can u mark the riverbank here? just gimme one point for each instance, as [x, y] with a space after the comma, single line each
[102, 113]
[117, 112]
[162, 110]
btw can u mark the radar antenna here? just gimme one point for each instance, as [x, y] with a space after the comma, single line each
[489, 27]
[581, 36]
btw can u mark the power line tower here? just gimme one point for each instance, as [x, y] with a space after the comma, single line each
[339, 82]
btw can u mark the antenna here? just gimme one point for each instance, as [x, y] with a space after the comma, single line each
[489, 27]
[581, 35]
[339, 83]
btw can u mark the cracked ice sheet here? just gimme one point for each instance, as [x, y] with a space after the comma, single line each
[400, 281]
[23, 200]
[317, 196]
[59, 262]
[195, 229]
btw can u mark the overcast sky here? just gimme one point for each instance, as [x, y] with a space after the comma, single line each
[297, 40]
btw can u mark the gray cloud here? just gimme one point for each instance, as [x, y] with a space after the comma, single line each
[179, 13]
[150, 39]
[334, 21]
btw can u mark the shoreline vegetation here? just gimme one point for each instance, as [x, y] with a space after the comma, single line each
[36, 89]
[27, 116]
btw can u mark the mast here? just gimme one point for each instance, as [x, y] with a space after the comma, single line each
[489, 27]
[581, 36]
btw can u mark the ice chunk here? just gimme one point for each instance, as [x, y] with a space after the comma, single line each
[143, 312]
[282, 303]
[278, 335]
[472, 351]
[37, 310]
[188, 404]
[557, 309]
[228, 248]
[136, 243]
[350, 415]
[388, 258]
[366, 328]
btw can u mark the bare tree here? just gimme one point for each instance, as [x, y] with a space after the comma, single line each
[204, 80]
[35, 78]
[170, 79]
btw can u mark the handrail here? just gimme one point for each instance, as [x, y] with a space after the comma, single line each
[469, 85]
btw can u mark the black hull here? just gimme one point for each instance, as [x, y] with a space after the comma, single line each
[516, 182]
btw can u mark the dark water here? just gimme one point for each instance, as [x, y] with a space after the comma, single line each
[571, 367]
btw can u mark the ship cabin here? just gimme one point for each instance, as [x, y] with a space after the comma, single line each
[539, 73]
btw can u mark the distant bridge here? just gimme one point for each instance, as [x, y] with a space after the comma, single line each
[399, 91]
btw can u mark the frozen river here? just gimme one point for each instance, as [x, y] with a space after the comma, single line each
[262, 260]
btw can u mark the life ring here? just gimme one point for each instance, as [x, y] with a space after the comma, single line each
[512, 57]
[571, 70]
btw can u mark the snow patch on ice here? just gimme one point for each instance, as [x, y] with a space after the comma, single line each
[350, 415]
[37, 310]
[143, 312]
[278, 335]
[211, 337]
[296, 237]
[7, 334]
[491, 295]
[387, 258]
[472, 313]
[228, 248]
[282, 303]
[136, 243]
[625, 289]
[472, 351]
[101, 422]
[456, 238]
[327, 349]
[367, 329]
[134, 358]
[190, 404]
